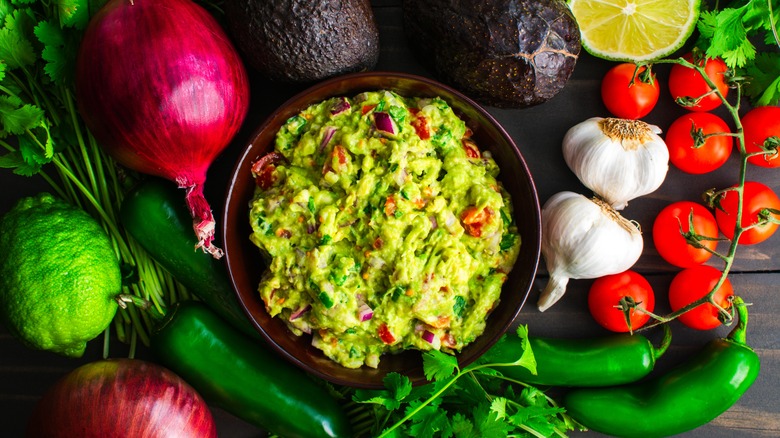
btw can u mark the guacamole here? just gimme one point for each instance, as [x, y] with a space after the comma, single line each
[384, 227]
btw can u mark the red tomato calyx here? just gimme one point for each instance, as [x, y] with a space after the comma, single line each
[770, 149]
[693, 238]
[629, 306]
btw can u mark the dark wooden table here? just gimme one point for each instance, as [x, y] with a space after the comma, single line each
[25, 374]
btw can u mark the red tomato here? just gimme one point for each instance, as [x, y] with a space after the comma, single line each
[625, 99]
[670, 243]
[757, 197]
[687, 82]
[606, 294]
[762, 124]
[385, 334]
[693, 283]
[683, 151]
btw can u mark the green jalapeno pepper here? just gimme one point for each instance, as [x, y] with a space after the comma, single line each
[235, 373]
[683, 399]
[154, 214]
[603, 361]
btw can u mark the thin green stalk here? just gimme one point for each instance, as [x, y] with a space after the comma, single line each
[772, 23]
[36, 92]
[106, 342]
[87, 162]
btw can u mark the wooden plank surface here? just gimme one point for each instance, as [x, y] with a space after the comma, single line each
[26, 374]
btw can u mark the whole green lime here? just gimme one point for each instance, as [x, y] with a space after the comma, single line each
[59, 275]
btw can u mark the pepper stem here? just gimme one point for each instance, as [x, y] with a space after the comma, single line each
[739, 333]
[665, 342]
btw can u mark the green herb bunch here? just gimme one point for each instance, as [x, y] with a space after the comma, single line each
[735, 33]
[43, 134]
[475, 401]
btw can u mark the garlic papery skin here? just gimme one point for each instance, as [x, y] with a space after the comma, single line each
[584, 238]
[619, 159]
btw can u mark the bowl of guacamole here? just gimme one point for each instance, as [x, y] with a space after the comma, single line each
[376, 216]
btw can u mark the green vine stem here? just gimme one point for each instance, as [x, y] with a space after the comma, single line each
[729, 256]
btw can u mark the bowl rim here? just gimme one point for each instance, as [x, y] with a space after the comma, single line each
[249, 146]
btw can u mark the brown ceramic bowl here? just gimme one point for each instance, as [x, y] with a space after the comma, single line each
[245, 264]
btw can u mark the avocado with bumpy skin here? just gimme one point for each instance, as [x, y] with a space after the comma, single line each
[302, 41]
[504, 53]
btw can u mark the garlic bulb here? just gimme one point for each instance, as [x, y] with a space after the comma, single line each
[584, 238]
[618, 159]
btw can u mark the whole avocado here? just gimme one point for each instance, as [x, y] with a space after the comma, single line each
[300, 41]
[504, 53]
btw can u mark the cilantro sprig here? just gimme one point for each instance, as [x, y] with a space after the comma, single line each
[745, 35]
[474, 401]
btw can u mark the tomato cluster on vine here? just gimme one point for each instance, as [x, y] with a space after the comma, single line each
[686, 233]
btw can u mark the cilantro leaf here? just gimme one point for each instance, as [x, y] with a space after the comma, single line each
[428, 420]
[16, 50]
[378, 397]
[498, 406]
[708, 22]
[462, 427]
[74, 13]
[12, 160]
[525, 357]
[536, 412]
[729, 39]
[438, 365]
[763, 87]
[16, 118]
[488, 423]
[5, 9]
[400, 386]
[59, 51]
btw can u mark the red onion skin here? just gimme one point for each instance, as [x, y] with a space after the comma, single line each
[163, 90]
[121, 397]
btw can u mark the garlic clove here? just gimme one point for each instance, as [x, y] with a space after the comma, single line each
[619, 159]
[552, 292]
[584, 238]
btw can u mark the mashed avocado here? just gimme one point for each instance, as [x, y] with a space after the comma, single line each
[384, 227]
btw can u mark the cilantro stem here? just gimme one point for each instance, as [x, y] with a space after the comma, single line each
[87, 163]
[772, 23]
[94, 203]
[42, 94]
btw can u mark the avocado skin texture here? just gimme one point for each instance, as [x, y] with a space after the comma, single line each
[300, 41]
[504, 53]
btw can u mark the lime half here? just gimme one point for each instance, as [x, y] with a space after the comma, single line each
[634, 30]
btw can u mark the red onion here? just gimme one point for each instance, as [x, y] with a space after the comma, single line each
[164, 91]
[428, 336]
[298, 313]
[340, 106]
[365, 313]
[384, 122]
[329, 131]
[122, 397]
